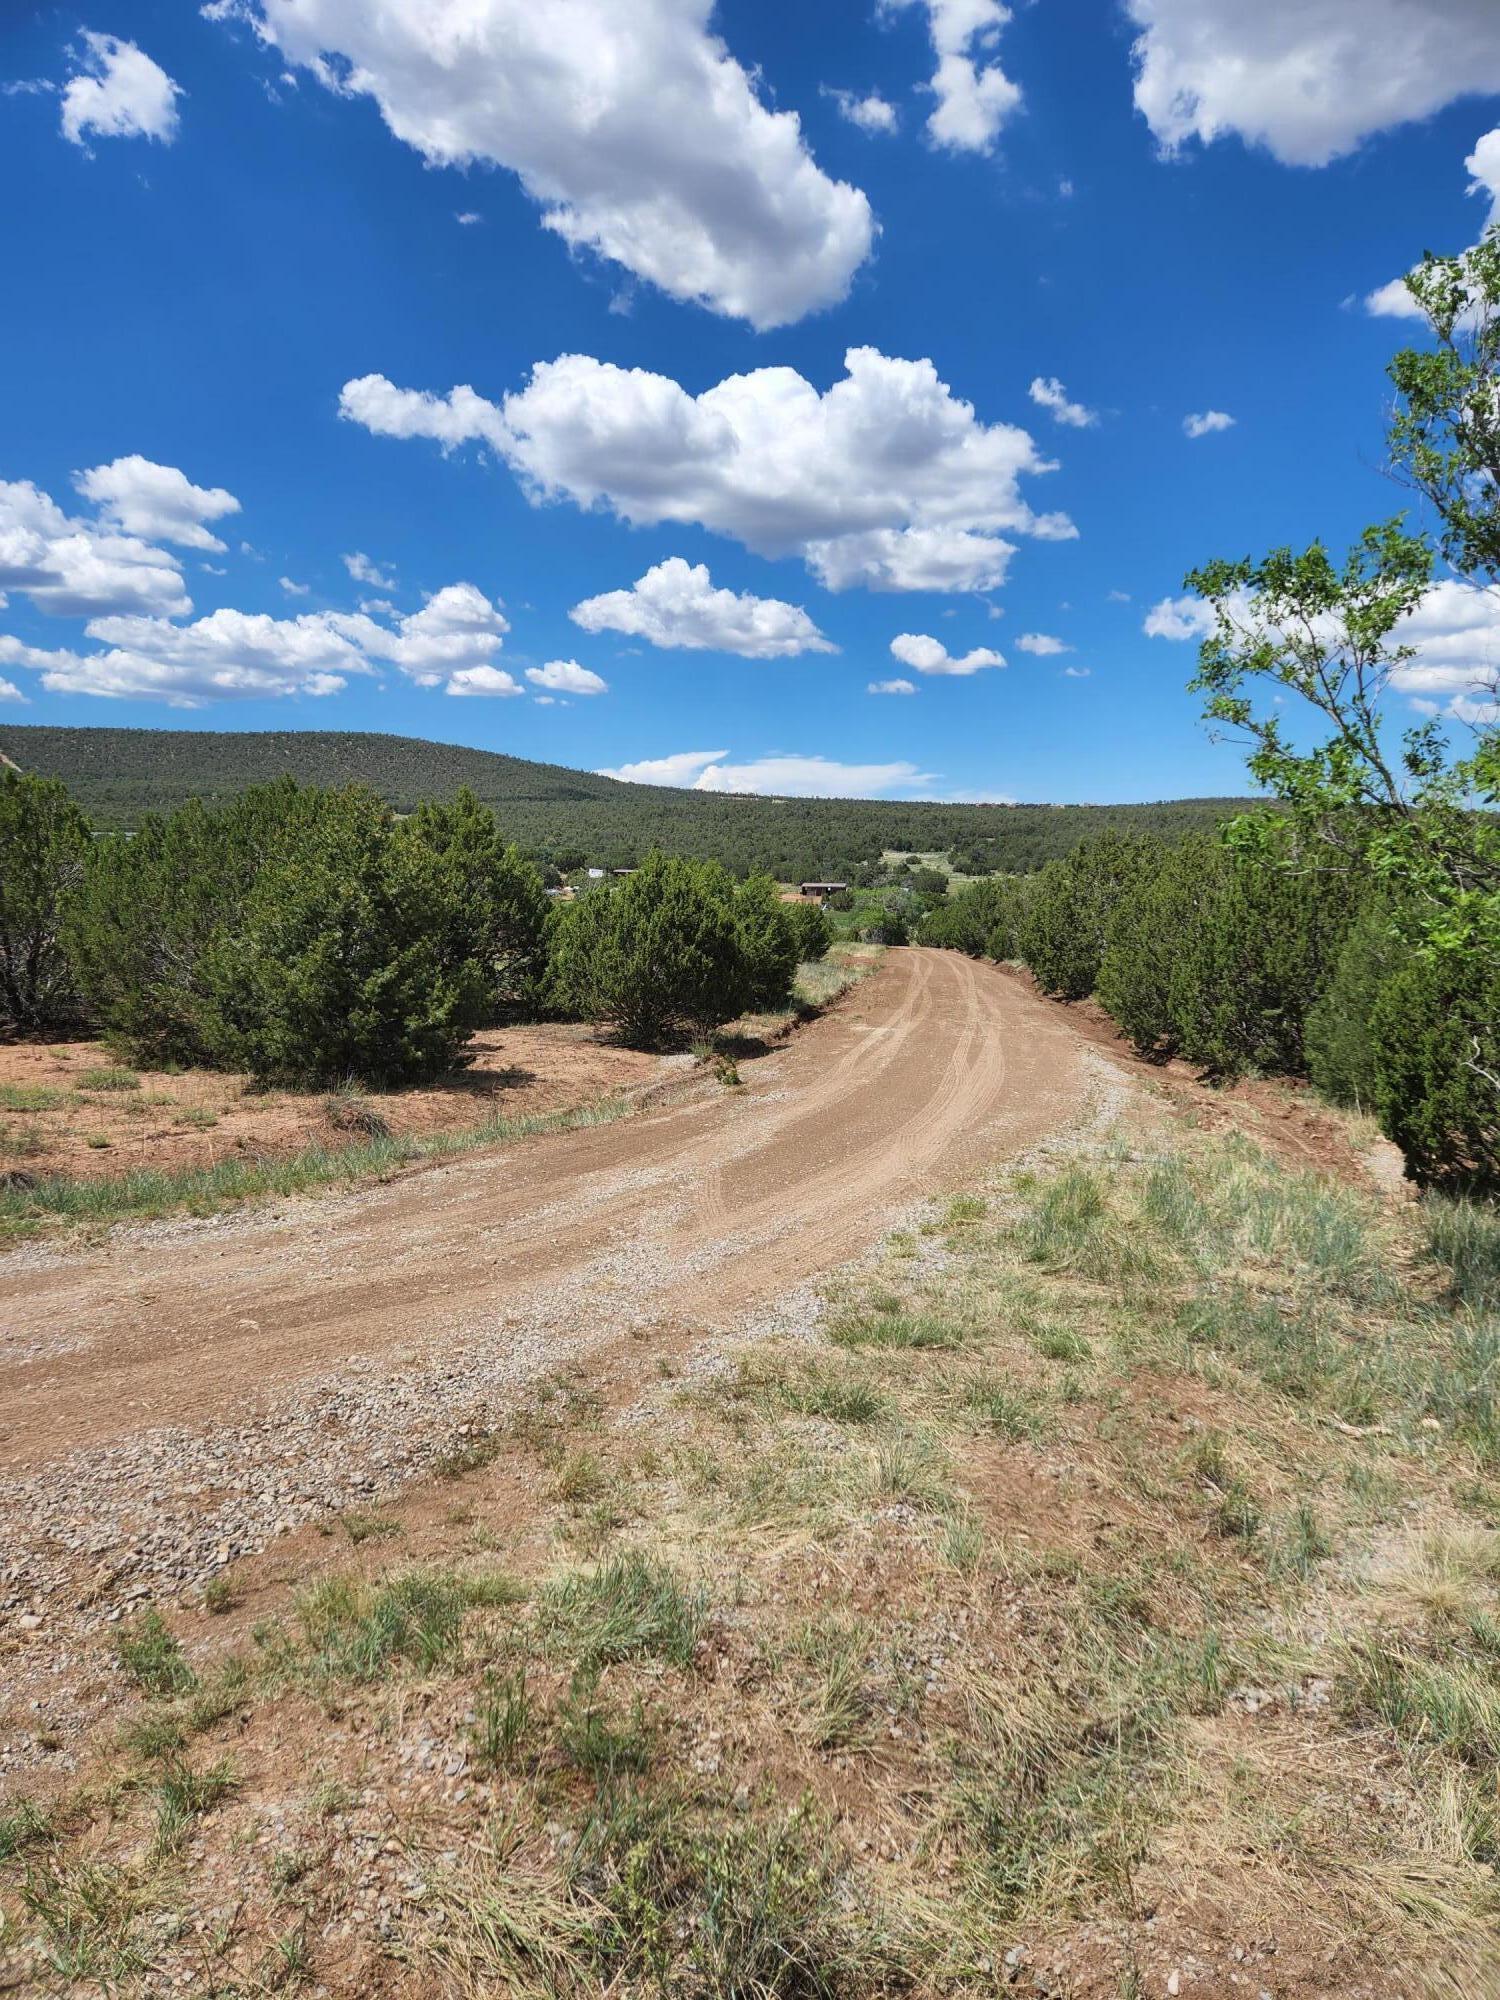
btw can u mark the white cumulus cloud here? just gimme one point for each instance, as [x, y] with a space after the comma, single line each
[157, 501]
[10, 692]
[871, 112]
[229, 655]
[891, 687]
[634, 128]
[1456, 633]
[887, 479]
[683, 767]
[117, 92]
[457, 630]
[1042, 644]
[238, 655]
[1178, 618]
[1203, 423]
[810, 778]
[363, 570]
[75, 568]
[1047, 391]
[483, 681]
[1308, 79]
[567, 677]
[974, 95]
[931, 656]
[675, 604]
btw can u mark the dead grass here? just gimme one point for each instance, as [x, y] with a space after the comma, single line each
[1110, 1588]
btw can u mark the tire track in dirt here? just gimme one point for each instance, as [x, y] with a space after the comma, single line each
[690, 1210]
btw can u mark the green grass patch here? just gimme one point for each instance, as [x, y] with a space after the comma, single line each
[30, 1097]
[1011, 1412]
[109, 1078]
[153, 1657]
[662, 1898]
[88, 1916]
[1464, 1236]
[146, 1192]
[839, 1402]
[362, 1527]
[855, 1327]
[1453, 1702]
[629, 1608]
[357, 1631]
[23, 1825]
[182, 1794]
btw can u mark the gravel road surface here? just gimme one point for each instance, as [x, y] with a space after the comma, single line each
[180, 1395]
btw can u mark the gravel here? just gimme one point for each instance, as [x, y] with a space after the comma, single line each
[98, 1533]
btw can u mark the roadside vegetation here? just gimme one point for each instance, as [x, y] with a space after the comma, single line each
[1249, 963]
[304, 939]
[308, 936]
[1106, 1587]
[30, 1202]
[1351, 935]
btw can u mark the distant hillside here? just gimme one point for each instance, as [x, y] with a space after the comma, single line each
[117, 775]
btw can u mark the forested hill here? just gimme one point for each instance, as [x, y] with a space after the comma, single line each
[117, 775]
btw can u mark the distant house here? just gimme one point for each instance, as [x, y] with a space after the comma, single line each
[622, 871]
[821, 891]
[596, 874]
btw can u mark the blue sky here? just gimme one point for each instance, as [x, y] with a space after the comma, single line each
[241, 273]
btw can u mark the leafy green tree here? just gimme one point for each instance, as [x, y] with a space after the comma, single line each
[295, 933]
[494, 896]
[889, 926]
[1436, 1029]
[1011, 906]
[1343, 1056]
[344, 957]
[1412, 814]
[657, 953]
[1333, 635]
[811, 930]
[1141, 973]
[1261, 946]
[767, 940]
[1065, 929]
[1445, 434]
[967, 919]
[44, 839]
[139, 927]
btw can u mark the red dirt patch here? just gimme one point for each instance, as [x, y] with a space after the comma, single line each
[194, 1118]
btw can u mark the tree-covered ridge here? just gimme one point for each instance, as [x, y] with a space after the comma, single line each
[117, 776]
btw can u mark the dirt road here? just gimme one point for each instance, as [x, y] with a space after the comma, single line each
[695, 1209]
[187, 1393]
